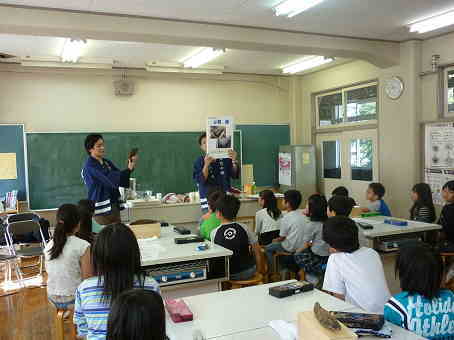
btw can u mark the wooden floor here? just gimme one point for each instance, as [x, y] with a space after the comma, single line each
[25, 313]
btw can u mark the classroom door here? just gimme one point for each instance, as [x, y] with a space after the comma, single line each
[348, 158]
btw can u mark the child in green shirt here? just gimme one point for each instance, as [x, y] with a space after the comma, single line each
[209, 220]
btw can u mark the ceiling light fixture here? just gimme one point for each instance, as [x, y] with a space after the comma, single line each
[433, 23]
[306, 64]
[94, 63]
[291, 8]
[72, 50]
[168, 67]
[202, 56]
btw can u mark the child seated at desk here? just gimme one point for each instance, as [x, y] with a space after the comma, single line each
[422, 306]
[116, 263]
[210, 221]
[67, 259]
[137, 314]
[236, 237]
[423, 209]
[374, 194]
[291, 234]
[353, 274]
[446, 219]
[342, 206]
[267, 220]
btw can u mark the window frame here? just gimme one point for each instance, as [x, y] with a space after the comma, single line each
[446, 111]
[343, 91]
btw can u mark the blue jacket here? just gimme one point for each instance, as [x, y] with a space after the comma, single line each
[220, 174]
[432, 319]
[102, 182]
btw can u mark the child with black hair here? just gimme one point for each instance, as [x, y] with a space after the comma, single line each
[343, 191]
[423, 306]
[210, 221]
[86, 210]
[117, 266]
[291, 233]
[236, 237]
[374, 194]
[267, 220]
[342, 206]
[423, 209]
[353, 274]
[446, 219]
[67, 259]
[137, 314]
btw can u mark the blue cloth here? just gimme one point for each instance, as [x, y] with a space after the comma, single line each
[103, 182]
[384, 209]
[220, 174]
[91, 312]
[432, 319]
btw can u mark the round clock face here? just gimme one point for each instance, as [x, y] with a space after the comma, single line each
[394, 87]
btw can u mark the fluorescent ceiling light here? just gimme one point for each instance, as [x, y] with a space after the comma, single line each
[306, 64]
[433, 23]
[291, 8]
[72, 50]
[167, 67]
[202, 56]
[96, 63]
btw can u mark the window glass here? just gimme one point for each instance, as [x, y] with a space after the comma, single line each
[330, 109]
[331, 159]
[451, 91]
[361, 154]
[362, 104]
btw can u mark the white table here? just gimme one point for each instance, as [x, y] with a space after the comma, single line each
[164, 251]
[244, 314]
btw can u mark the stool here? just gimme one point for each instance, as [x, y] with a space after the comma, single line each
[59, 322]
[256, 280]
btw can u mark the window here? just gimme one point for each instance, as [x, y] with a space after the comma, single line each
[331, 159]
[361, 153]
[450, 94]
[349, 105]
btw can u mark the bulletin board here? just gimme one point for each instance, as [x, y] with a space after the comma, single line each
[438, 156]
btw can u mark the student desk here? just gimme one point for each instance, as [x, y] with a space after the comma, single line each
[384, 230]
[188, 214]
[244, 314]
[164, 256]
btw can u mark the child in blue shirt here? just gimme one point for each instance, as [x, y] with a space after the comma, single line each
[422, 306]
[374, 194]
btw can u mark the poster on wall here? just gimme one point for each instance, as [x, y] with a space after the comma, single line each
[436, 178]
[220, 136]
[440, 146]
[285, 168]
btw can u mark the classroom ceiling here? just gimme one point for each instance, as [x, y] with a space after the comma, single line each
[373, 19]
[135, 55]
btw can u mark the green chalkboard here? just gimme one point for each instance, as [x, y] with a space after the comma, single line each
[261, 148]
[166, 160]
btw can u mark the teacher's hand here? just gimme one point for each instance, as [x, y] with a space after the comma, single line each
[208, 160]
[132, 162]
[233, 155]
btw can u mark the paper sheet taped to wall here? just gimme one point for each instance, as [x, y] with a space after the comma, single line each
[8, 167]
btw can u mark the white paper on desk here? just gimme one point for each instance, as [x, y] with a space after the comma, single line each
[149, 249]
[286, 330]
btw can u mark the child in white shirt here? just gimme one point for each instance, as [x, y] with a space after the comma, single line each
[353, 274]
[67, 259]
[267, 220]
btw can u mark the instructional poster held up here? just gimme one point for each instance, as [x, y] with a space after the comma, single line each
[220, 136]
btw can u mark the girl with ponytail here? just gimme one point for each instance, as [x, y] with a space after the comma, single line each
[268, 219]
[67, 258]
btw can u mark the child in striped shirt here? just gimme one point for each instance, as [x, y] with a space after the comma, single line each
[423, 209]
[116, 264]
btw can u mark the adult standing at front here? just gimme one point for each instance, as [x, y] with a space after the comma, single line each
[103, 179]
[211, 174]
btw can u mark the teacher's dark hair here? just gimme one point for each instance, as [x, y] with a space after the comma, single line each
[137, 315]
[202, 136]
[90, 142]
[116, 261]
[67, 221]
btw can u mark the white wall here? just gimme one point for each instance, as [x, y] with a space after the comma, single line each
[82, 101]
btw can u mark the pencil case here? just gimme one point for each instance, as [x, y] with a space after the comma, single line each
[178, 310]
[396, 222]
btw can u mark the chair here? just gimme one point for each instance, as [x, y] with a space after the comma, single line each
[62, 316]
[276, 276]
[19, 225]
[8, 260]
[260, 275]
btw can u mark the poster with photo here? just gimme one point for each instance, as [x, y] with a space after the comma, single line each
[220, 136]
[436, 178]
[285, 168]
[440, 146]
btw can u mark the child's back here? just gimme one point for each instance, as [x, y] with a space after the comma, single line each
[292, 228]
